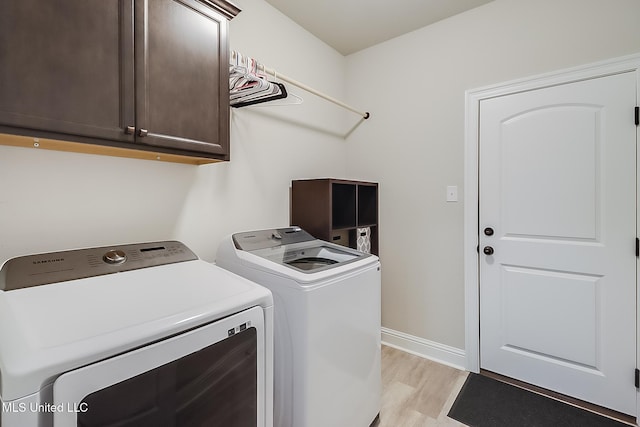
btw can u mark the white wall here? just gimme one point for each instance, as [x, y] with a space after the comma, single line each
[53, 200]
[413, 144]
[56, 201]
[270, 145]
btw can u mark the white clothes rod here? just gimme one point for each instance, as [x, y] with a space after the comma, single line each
[289, 80]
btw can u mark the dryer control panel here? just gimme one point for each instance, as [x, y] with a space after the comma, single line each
[53, 267]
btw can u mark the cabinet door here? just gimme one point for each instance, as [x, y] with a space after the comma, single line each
[182, 89]
[66, 66]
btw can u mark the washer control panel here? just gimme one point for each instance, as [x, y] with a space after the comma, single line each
[53, 267]
[261, 239]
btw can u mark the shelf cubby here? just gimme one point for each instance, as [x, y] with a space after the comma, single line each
[337, 210]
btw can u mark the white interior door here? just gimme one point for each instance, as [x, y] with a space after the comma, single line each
[557, 187]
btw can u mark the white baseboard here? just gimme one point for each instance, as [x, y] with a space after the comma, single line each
[431, 350]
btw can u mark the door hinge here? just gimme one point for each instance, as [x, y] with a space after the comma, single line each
[637, 380]
[637, 116]
[637, 247]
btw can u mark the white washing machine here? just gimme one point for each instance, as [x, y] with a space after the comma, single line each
[134, 335]
[327, 324]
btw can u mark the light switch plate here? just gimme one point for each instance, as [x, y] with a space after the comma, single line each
[452, 193]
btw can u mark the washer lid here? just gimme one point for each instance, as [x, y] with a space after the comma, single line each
[310, 259]
[295, 248]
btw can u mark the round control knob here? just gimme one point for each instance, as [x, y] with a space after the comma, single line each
[488, 250]
[115, 256]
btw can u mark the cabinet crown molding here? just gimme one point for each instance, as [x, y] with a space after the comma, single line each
[228, 9]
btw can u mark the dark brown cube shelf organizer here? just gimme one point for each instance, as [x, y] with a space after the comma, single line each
[334, 209]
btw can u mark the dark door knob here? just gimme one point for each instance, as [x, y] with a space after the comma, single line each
[488, 231]
[488, 250]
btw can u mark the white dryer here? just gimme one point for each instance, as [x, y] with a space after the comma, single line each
[134, 335]
[327, 324]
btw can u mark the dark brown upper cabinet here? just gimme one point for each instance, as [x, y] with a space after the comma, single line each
[67, 67]
[148, 75]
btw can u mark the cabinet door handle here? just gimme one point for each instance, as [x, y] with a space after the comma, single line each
[143, 132]
[129, 130]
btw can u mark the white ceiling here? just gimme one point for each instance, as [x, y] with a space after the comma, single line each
[352, 25]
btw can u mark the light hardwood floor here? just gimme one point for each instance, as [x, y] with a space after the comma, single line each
[417, 392]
